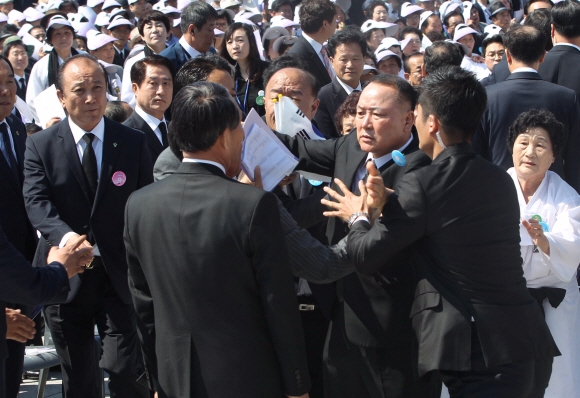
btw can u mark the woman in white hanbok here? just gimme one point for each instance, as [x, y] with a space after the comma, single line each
[550, 239]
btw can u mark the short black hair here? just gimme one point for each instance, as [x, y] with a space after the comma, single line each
[406, 92]
[291, 61]
[452, 14]
[32, 128]
[225, 14]
[370, 9]
[530, 2]
[455, 97]
[565, 16]
[439, 54]
[489, 40]
[153, 16]
[116, 111]
[526, 44]
[346, 36]
[59, 83]
[314, 12]
[198, 14]
[435, 36]
[5, 59]
[410, 29]
[139, 69]
[201, 113]
[198, 69]
[347, 108]
[542, 20]
[406, 66]
[542, 118]
[276, 4]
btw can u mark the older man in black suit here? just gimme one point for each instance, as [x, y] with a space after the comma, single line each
[346, 49]
[78, 176]
[474, 319]
[523, 90]
[152, 83]
[318, 23]
[227, 302]
[561, 64]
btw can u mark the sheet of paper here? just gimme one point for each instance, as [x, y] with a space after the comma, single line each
[47, 106]
[30, 40]
[262, 148]
[23, 109]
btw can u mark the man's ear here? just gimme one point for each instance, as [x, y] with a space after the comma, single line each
[61, 98]
[315, 105]
[135, 88]
[423, 72]
[433, 125]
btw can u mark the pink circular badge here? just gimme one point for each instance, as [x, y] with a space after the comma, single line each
[119, 178]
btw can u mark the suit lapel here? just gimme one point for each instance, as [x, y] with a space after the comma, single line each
[315, 58]
[111, 148]
[19, 139]
[8, 176]
[72, 156]
[152, 139]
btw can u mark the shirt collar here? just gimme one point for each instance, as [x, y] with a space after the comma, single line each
[151, 120]
[315, 45]
[190, 50]
[525, 69]
[78, 133]
[17, 77]
[348, 88]
[189, 160]
[567, 44]
[383, 160]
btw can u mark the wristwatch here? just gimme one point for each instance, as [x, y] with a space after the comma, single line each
[355, 216]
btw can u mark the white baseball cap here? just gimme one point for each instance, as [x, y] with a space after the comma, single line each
[110, 3]
[282, 22]
[492, 30]
[288, 40]
[97, 40]
[387, 43]
[32, 14]
[408, 9]
[229, 3]
[118, 21]
[390, 29]
[15, 16]
[58, 21]
[425, 16]
[388, 54]
[462, 30]
[448, 7]
[94, 3]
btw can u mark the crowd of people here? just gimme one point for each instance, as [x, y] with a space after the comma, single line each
[438, 257]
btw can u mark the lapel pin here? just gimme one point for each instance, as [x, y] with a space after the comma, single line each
[115, 144]
[18, 133]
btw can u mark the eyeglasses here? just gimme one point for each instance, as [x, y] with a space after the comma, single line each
[221, 25]
[415, 41]
[40, 36]
[498, 54]
[19, 54]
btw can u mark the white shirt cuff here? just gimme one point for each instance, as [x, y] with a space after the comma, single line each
[65, 239]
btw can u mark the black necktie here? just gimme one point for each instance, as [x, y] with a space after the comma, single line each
[23, 84]
[163, 128]
[10, 160]
[90, 164]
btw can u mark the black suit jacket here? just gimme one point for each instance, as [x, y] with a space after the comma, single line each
[120, 57]
[462, 214]
[331, 97]
[221, 320]
[368, 301]
[13, 217]
[19, 90]
[19, 282]
[521, 92]
[57, 194]
[560, 66]
[303, 49]
[177, 55]
[155, 146]
[499, 74]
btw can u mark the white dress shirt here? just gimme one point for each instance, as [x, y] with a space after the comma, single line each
[317, 47]
[78, 134]
[152, 122]
[3, 148]
[190, 160]
[524, 69]
[193, 53]
[348, 88]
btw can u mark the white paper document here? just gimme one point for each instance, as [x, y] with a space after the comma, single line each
[47, 106]
[262, 148]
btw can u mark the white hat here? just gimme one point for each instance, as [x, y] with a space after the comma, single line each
[368, 68]
[244, 20]
[467, 6]
[118, 21]
[24, 29]
[425, 16]
[132, 1]
[42, 7]
[58, 21]
[84, 28]
[462, 30]
[89, 13]
[32, 14]
[181, 4]
[218, 33]
[3, 17]
[390, 29]
[408, 9]
[94, 3]
[98, 40]
[256, 18]
[229, 3]
[448, 7]
[388, 42]
[117, 11]
[75, 18]
[273, 33]
[280, 21]
[110, 3]
[492, 30]
[387, 54]
[15, 15]
[176, 22]
[283, 40]
[102, 19]
[167, 10]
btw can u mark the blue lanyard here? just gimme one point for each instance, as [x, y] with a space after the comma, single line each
[242, 107]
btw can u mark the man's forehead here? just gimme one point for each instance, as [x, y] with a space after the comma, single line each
[289, 79]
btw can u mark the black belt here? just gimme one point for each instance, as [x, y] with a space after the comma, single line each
[555, 295]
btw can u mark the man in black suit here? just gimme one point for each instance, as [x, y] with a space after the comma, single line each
[523, 90]
[13, 218]
[368, 349]
[474, 319]
[318, 23]
[197, 27]
[346, 49]
[231, 312]
[78, 176]
[20, 282]
[152, 83]
[561, 64]
[120, 28]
